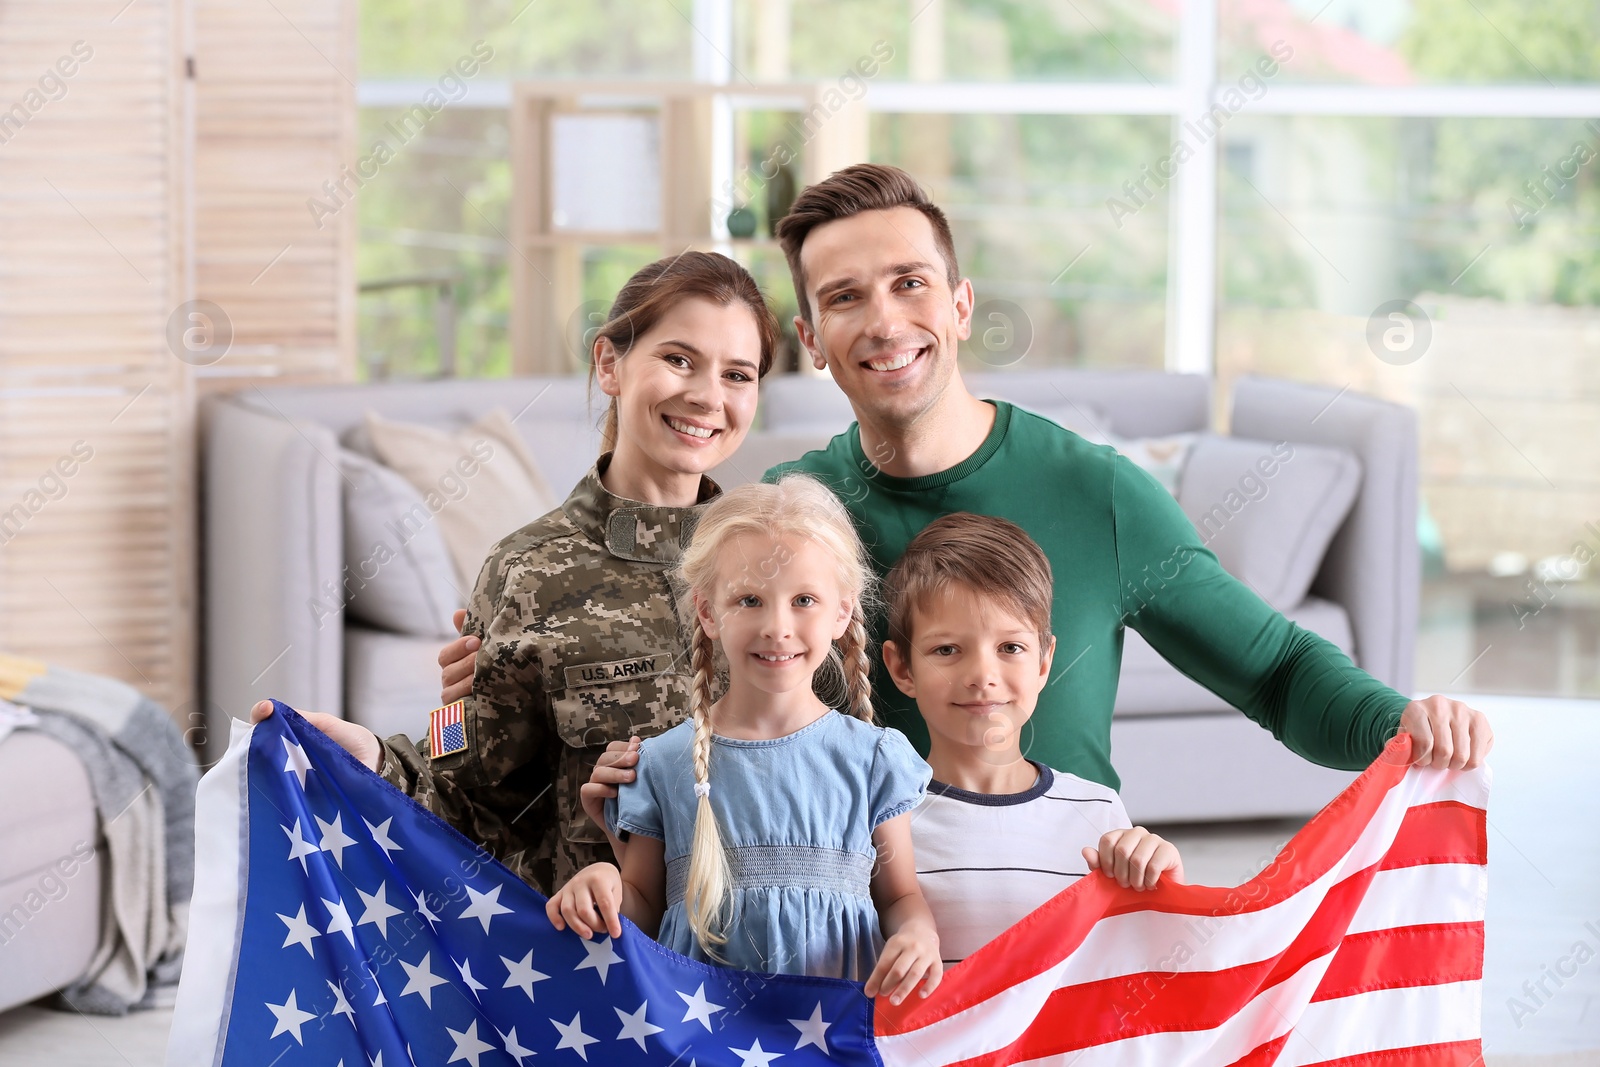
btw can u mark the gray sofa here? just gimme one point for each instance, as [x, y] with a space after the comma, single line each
[272, 536]
[49, 924]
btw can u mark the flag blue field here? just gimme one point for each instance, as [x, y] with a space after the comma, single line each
[338, 922]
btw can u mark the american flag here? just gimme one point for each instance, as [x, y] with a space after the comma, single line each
[447, 732]
[336, 923]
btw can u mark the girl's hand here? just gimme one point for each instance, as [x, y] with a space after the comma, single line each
[354, 738]
[593, 898]
[909, 957]
[1136, 858]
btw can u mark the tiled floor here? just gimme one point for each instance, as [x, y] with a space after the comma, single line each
[1544, 889]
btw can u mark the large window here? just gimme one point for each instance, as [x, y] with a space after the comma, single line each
[1220, 187]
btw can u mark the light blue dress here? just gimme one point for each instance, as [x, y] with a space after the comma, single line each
[796, 815]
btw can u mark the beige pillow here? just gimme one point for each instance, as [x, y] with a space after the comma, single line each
[480, 482]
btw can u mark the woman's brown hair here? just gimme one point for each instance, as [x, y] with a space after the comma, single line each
[657, 288]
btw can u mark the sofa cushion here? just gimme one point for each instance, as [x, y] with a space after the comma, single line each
[1163, 458]
[481, 482]
[399, 575]
[1269, 510]
[1149, 685]
[391, 681]
[762, 451]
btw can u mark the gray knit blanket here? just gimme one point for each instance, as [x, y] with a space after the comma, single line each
[144, 777]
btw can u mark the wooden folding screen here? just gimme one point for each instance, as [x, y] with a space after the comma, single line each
[153, 153]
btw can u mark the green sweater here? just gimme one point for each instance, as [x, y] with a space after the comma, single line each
[1122, 553]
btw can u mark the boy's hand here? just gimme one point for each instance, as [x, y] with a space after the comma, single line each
[354, 738]
[614, 768]
[456, 663]
[593, 898]
[1136, 858]
[909, 957]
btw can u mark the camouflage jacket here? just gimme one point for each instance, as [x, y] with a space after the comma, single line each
[581, 647]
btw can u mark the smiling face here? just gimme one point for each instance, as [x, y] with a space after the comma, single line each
[686, 389]
[885, 320]
[975, 671]
[777, 607]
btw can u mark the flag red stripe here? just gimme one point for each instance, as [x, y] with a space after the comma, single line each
[1055, 930]
[1446, 831]
[1406, 956]
[1263, 1055]
[1449, 1054]
[1113, 1009]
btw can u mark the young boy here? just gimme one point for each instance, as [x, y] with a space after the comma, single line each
[998, 835]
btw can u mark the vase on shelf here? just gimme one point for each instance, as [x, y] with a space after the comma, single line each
[741, 222]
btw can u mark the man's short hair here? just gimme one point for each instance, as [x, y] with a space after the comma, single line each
[992, 558]
[858, 188]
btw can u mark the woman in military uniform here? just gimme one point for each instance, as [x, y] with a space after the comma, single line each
[578, 629]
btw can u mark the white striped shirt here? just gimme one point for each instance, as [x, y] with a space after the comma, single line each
[985, 860]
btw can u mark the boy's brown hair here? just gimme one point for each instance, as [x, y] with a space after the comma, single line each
[993, 557]
[858, 188]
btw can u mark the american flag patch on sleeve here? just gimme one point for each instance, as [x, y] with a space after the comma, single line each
[447, 733]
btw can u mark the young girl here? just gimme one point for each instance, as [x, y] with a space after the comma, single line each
[770, 832]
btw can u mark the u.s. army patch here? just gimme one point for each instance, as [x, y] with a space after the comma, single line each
[617, 670]
[447, 731]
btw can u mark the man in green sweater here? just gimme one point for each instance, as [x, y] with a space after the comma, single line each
[883, 308]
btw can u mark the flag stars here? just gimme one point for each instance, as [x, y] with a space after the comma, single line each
[420, 979]
[521, 975]
[341, 1006]
[465, 967]
[514, 1048]
[299, 847]
[380, 836]
[290, 1018]
[334, 839]
[600, 956]
[755, 1055]
[377, 910]
[339, 920]
[573, 1037]
[635, 1026]
[296, 764]
[468, 1046]
[421, 897]
[700, 1009]
[813, 1031]
[484, 906]
[300, 931]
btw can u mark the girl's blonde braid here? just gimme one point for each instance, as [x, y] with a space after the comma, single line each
[706, 891]
[857, 666]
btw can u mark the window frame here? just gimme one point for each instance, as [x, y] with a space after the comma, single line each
[1192, 275]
